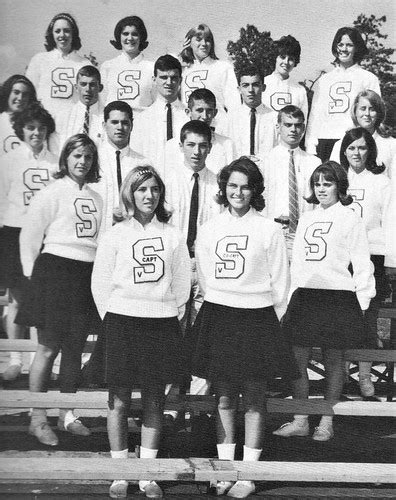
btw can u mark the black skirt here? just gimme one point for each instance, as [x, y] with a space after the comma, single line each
[11, 274]
[59, 299]
[239, 345]
[324, 318]
[132, 351]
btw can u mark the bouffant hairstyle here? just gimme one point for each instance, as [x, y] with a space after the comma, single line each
[289, 46]
[130, 21]
[360, 47]
[332, 172]
[353, 135]
[34, 112]
[49, 37]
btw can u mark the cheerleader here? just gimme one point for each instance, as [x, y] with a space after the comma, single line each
[129, 76]
[58, 245]
[369, 112]
[335, 92]
[203, 69]
[16, 93]
[54, 72]
[23, 172]
[325, 309]
[370, 190]
[140, 282]
[243, 271]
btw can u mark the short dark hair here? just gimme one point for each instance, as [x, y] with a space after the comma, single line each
[135, 21]
[195, 127]
[49, 37]
[89, 71]
[203, 30]
[167, 63]
[72, 143]
[360, 47]
[291, 110]
[132, 181]
[117, 106]
[333, 172]
[255, 181]
[289, 46]
[353, 135]
[34, 111]
[205, 95]
[6, 89]
[249, 70]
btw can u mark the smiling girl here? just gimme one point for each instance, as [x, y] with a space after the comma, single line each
[54, 72]
[141, 282]
[335, 93]
[327, 301]
[129, 76]
[58, 245]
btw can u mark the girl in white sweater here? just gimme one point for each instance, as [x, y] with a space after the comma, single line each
[140, 282]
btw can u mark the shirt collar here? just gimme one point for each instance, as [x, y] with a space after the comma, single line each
[136, 59]
[286, 149]
[189, 172]
[112, 149]
[154, 223]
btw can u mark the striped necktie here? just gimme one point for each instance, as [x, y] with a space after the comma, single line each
[293, 195]
[86, 121]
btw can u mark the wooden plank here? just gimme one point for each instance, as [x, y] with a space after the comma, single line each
[26, 345]
[98, 400]
[384, 355]
[387, 312]
[196, 469]
[315, 492]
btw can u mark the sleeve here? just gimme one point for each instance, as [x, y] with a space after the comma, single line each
[377, 234]
[389, 225]
[104, 78]
[230, 150]
[232, 97]
[311, 139]
[102, 274]
[374, 84]
[203, 258]
[298, 253]
[363, 268]
[39, 216]
[4, 186]
[279, 272]
[335, 153]
[181, 274]
[304, 102]
[33, 70]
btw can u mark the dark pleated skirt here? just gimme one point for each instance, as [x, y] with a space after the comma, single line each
[11, 274]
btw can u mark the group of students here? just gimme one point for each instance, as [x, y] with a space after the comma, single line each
[190, 231]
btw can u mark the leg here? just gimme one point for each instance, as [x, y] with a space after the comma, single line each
[370, 323]
[14, 331]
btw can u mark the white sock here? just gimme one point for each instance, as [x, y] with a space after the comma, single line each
[119, 454]
[301, 419]
[39, 415]
[326, 421]
[67, 416]
[251, 454]
[15, 358]
[226, 451]
[146, 453]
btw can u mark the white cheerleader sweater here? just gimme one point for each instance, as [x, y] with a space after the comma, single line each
[8, 139]
[129, 80]
[21, 178]
[66, 219]
[371, 195]
[279, 93]
[334, 95]
[327, 241]
[242, 262]
[141, 271]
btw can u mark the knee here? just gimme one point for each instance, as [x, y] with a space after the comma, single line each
[226, 403]
[119, 401]
[47, 352]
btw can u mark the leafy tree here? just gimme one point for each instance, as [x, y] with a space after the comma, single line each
[253, 47]
[92, 59]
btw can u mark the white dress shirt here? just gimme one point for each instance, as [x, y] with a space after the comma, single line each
[73, 123]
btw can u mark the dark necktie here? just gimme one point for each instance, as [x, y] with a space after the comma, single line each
[192, 220]
[293, 195]
[86, 121]
[119, 177]
[169, 128]
[252, 129]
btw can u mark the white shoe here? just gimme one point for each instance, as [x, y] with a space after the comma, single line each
[118, 489]
[366, 386]
[222, 487]
[294, 428]
[13, 371]
[242, 489]
[152, 490]
[323, 433]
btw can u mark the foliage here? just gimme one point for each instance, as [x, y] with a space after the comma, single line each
[92, 59]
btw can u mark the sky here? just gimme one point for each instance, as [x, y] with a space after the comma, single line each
[312, 22]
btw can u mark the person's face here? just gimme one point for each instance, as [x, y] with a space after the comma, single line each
[290, 130]
[326, 192]
[202, 111]
[168, 83]
[146, 198]
[19, 97]
[284, 65]
[63, 35]
[200, 47]
[251, 88]
[346, 51]
[35, 135]
[130, 41]
[88, 89]
[118, 128]
[195, 149]
[79, 163]
[366, 115]
[356, 154]
[238, 193]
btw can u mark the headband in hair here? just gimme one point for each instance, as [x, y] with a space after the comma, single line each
[144, 171]
[187, 42]
[67, 17]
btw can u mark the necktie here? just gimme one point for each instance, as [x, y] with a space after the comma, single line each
[252, 129]
[293, 195]
[119, 178]
[86, 121]
[192, 220]
[169, 128]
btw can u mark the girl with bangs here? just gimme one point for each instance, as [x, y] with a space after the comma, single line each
[327, 301]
